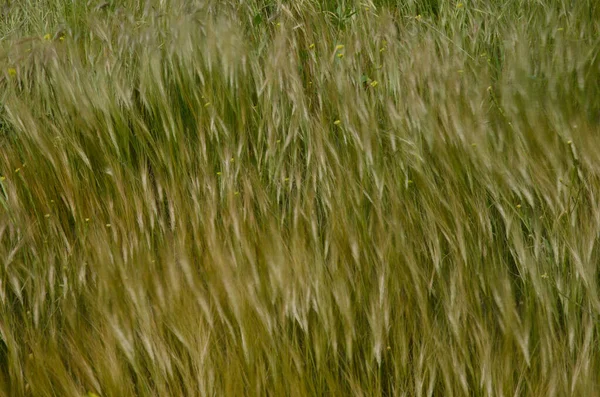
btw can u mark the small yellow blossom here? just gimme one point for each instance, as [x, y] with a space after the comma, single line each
[47, 36]
[207, 104]
[108, 225]
[311, 46]
[218, 173]
[286, 179]
[87, 219]
[337, 122]
[418, 17]
[2, 178]
[47, 215]
[12, 71]
[460, 5]
[17, 170]
[545, 275]
[374, 83]
[569, 142]
[340, 55]
[339, 47]
[278, 24]
[518, 205]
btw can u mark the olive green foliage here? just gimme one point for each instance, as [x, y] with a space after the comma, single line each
[299, 198]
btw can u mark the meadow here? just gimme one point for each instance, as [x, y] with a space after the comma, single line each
[299, 198]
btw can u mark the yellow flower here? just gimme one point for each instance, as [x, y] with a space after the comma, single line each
[47, 215]
[569, 142]
[545, 275]
[108, 225]
[340, 55]
[207, 104]
[518, 205]
[2, 178]
[311, 46]
[47, 36]
[87, 219]
[218, 173]
[339, 47]
[337, 122]
[12, 71]
[17, 170]
[460, 5]
[418, 17]
[374, 83]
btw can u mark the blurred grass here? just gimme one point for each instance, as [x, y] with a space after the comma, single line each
[299, 198]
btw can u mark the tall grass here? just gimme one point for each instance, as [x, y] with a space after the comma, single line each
[234, 198]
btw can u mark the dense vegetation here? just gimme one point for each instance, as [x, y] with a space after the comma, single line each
[299, 198]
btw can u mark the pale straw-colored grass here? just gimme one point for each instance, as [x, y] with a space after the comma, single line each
[227, 198]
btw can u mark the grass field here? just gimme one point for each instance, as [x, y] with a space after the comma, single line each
[300, 198]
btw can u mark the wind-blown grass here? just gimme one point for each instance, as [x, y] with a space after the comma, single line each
[299, 198]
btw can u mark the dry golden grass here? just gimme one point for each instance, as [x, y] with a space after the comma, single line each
[222, 198]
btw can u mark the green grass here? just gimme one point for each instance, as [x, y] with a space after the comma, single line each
[181, 213]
